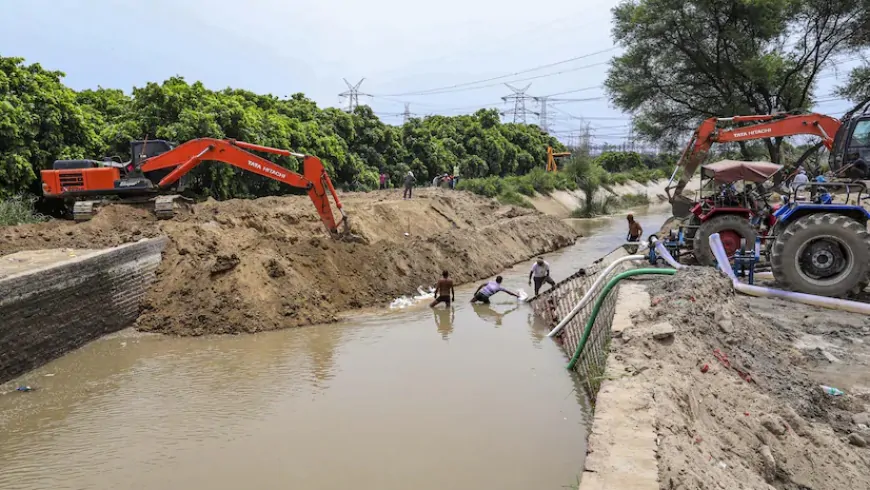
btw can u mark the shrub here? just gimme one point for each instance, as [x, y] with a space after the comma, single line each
[541, 180]
[620, 161]
[19, 210]
[596, 208]
[513, 198]
[630, 200]
[564, 181]
[519, 183]
[488, 186]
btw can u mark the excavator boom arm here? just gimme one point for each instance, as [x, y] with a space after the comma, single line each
[749, 128]
[187, 156]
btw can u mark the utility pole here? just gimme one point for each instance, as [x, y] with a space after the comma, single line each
[586, 138]
[407, 113]
[352, 94]
[543, 120]
[519, 99]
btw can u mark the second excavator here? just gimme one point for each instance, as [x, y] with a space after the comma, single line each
[847, 139]
[156, 170]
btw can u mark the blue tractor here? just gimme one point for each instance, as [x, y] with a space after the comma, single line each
[818, 246]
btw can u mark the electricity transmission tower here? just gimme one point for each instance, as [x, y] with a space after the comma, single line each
[543, 120]
[585, 138]
[519, 99]
[407, 113]
[352, 94]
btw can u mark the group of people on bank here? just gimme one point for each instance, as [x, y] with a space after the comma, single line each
[410, 181]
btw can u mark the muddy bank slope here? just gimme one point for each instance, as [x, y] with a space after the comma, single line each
[252, 265]
[755, 416]
[563, 203]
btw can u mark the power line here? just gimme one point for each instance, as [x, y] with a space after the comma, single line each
[475, 82]
[574, 91]
[545, 75]
[545, 116]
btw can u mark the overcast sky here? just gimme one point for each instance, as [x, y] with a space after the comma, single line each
[283, 47]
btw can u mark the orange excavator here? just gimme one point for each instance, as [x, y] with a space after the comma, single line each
[748, 128]
[552, 156]
[848, 141]
[156, 172]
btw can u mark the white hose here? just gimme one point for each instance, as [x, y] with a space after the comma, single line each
[591, 291]
[807, 299]
[663, 253]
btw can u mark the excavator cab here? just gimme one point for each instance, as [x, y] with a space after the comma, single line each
[851, 152]
[142, 150]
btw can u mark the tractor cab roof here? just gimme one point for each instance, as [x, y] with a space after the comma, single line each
[728, 171]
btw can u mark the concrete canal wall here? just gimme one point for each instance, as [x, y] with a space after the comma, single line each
[51, 309]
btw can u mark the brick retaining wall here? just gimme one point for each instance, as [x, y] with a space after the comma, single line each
[47, 312]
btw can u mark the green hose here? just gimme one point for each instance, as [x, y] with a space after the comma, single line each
[602, 296]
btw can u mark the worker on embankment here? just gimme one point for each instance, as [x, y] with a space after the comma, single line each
[444, 292]
[409, 185]
[485, 291]
[541, 274]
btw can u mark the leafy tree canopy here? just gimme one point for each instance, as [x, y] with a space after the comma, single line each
[42, 120]
[688, 60]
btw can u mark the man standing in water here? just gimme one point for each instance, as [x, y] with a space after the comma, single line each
[634, 229]
[444, 292]
[485, 291]
[634, 233]
[541, 274]
[409, 184]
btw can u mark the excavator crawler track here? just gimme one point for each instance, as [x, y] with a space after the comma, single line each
[84, 210]
[165, 207]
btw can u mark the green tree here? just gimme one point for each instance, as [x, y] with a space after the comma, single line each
[589, 176]
[40, 122]
[689, 60]
[620, 161]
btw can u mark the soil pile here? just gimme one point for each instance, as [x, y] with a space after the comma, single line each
[737, 388]
[252, 265]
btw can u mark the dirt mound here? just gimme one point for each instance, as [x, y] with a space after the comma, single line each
[737, 390]
[252, 265]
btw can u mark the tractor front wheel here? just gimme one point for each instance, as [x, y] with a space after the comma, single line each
[824, 254]
[732, 228]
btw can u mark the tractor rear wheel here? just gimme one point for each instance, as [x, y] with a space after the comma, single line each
[824, 254]
[732, 228]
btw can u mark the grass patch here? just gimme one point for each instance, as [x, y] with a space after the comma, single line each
[511, 189]
[597, 208]
[610, 205]
[19, 210]
[631, 200]
[514, 198]
[641, 175]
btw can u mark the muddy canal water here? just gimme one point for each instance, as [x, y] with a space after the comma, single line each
[471, 398]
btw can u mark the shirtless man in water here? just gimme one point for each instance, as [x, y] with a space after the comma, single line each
[444, 291]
